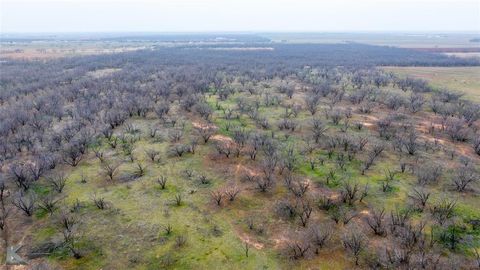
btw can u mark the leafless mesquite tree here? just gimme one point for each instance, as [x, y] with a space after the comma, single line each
[162, 181]
[25, 202]
[111, 169]
[354, 242]
[57, 181]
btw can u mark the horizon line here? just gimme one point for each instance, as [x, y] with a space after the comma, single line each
[247, 32]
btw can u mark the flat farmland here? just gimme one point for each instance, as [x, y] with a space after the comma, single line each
[459, 41]
[463, 79]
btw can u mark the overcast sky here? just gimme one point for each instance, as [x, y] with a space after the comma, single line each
[238, 15]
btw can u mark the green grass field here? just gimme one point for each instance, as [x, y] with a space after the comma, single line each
[462, 79]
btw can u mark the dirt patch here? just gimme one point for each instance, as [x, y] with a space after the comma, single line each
[99, 73]
[328, 193]
[203, 125]
[222, 138]
[423, 127]
[365, 212]
[240, 169]
[216, 137]
[369, 121]
[250, 241]
[280, 241]
[27, 52]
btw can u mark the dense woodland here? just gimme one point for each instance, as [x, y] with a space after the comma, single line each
[342, 156]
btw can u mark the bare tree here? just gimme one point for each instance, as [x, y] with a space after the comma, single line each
[415, 102]
[312, 101]
[287, 209]
[127, 148]
[99, 202]
[131, 128]
[395, 101]
[350, 193]
[372, 156]
[232, 192]
[168, 229]
[336, 116]
[180, 241]
[99, 154]
[326, 203]
[4, 210]
[179, 150]
[225, 148]
[264, 183]
[206, 132]
[319, 236]
[72, 154]
[305, 212]
[387, 182]
[57, 181]
[354, 242]
[204, 179]
[410, 142]
[318, 129]
[444, 210]
[399, 219]
[140, 170]
[152, 154]
[287, 89]
[178, 199]
[397, 257]
[20, 175]
[113, 142]
[464, 177]
[455, 128]
[287, 124]
[204, 110]
[217, 196]
[67, 220]
[162, 109]
[37, 167]
[246, 247]
[107, 132]
[176, 135]
[110, 170]
[420, 197]
[192, 145]
[48, 203]
[428, 173]
[376, 222]
[25, 202]
[298, 187]
[341, 213]
[4, 213]
[162, 181]
[71, 239]
[298, 247]
[470, 113]
[476, 144]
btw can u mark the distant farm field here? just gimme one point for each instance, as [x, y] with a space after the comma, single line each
[434, 41]
[463, 79]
